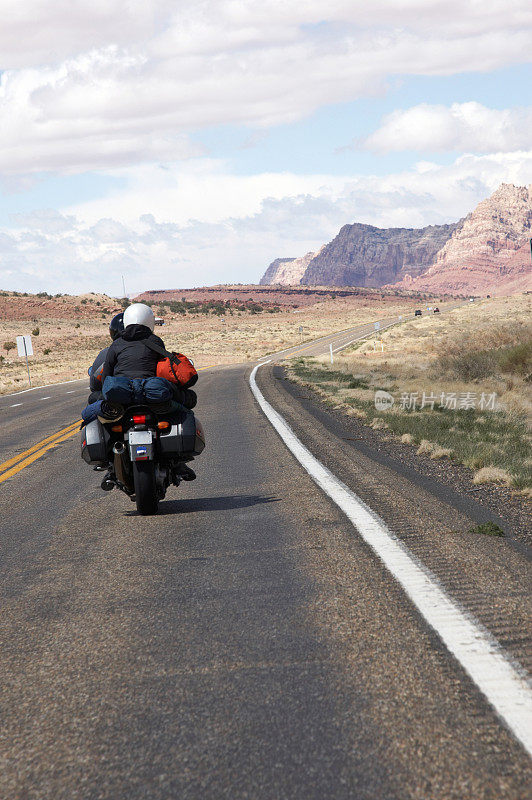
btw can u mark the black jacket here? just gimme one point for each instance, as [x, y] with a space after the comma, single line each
[129, 356]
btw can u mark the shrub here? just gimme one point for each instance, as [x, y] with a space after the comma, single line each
[488, 529]
[516, 359]
[47, 350]
[9, 346]
[35, 332]
[469, 365]
[77, 325]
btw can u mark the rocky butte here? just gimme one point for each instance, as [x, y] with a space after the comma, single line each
[288, 271]
[487, 251]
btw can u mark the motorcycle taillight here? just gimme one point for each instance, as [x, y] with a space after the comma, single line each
[139, 419]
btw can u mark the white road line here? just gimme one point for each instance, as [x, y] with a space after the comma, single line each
[14, 405]
[363, 336]
[320, 339]
[45, 386]
[49, 397]
[504, 683]
[72, 391]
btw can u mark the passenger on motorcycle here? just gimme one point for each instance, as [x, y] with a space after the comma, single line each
[116, 327]
[131, 356]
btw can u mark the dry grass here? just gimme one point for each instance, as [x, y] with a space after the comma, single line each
[492, 475]
[379, 424]
[414, 363]
[441, 452]
[425, 447]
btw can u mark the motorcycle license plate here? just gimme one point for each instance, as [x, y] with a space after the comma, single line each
[140, 445]
[140, 437]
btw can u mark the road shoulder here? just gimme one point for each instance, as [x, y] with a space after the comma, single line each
[488, 575]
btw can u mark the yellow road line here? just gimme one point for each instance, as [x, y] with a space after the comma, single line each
[18, 462]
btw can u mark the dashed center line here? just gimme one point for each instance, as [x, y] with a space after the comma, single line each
[15, 405]
[49, 397]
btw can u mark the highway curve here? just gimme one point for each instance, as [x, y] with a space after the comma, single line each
[246, 642]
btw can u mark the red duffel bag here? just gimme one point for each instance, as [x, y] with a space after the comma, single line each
[175, 367]
[179, 369]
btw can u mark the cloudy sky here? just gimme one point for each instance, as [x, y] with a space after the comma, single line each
[182, 144]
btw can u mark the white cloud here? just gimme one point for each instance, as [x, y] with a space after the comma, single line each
[469, 127]
[89, 85]
[38, 32]
[201, 189]
[83, 252]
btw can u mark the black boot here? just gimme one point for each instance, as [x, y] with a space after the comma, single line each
[184, 472]
[109, 481]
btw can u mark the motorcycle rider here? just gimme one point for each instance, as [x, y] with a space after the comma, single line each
[130, 361]
[128, 356]
[116, 328]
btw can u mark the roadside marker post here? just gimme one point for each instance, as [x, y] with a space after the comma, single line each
[332, 357]
[377, 327]
[25, 349]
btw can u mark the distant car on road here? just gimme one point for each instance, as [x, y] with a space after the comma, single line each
[159, 321]
[417, 312]
[436, 310]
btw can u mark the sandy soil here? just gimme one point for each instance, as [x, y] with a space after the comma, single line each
[72, 330]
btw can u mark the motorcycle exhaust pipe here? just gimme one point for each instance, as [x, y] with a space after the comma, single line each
[119, 450]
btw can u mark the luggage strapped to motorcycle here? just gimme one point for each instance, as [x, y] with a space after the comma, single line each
[175, 367]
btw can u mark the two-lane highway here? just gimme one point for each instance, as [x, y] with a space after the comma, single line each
[246, 642]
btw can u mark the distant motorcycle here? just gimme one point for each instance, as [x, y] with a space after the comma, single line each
[146, 453]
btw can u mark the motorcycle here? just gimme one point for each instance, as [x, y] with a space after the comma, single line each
[145, 453]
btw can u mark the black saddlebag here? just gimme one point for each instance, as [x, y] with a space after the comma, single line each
[183, 440]
[94, 443]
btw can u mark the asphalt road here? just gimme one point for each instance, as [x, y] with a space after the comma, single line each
[244, 643]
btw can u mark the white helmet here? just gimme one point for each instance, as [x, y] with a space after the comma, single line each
[139, 314]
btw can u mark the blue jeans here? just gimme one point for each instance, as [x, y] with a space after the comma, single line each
[91, 411]
[136, 391]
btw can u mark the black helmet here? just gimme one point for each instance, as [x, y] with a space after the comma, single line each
[116, 326]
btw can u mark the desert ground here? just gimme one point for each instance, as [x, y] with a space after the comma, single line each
[461, 383]
[68, 331]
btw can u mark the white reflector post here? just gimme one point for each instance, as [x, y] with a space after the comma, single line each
[25, 349]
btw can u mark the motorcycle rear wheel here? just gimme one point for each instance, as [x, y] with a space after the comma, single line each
[145, 487]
